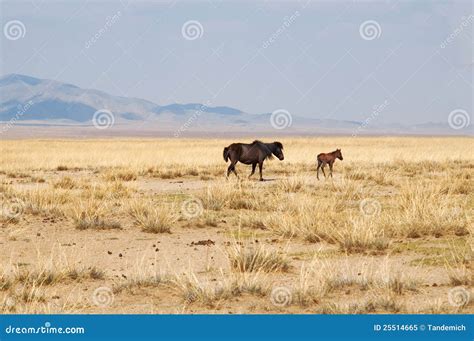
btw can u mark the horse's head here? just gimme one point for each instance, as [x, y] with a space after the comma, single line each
[339, 154]
[278, 150]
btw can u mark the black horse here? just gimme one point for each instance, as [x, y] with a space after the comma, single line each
[251, 154]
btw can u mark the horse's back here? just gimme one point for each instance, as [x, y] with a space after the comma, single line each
[236, 148]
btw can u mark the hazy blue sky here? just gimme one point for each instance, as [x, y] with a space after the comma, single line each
[317, 65]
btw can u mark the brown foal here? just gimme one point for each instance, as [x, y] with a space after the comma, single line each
[328, 158]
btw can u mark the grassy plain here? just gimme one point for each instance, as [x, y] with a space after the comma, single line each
[153, 226]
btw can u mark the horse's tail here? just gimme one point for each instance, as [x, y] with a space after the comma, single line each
[226, 154]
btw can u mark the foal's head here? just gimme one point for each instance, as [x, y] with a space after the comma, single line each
[278, 150]
[338, 154]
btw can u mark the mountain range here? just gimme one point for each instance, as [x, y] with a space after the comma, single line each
[30, 102]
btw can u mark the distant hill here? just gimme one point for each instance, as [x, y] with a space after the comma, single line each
[34, 102]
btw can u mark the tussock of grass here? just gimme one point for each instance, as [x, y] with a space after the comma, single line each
[17, 175]
[463, 187]
[65, 183]
[243, 195]
[216, 197]
[140, 276]
[424, 210]
[5, 282]
[152, 218]
[207, 219]
[361, 235]
[347, 192]
[194, 290]
[252, 220]
[315, 221]
[109, 191]
[50, 275]
[255, 258]
[356, 175]
[120, 175]
[140, 282]
[26, 296]
[457, 264]
[284, 225]
[40, 201]
[369, 306]
[169, 174]
[291, 185]
[92, 214]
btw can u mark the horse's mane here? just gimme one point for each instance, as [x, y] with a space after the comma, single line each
[278, 144]
[263, 146]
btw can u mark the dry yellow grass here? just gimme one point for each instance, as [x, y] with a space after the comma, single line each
[193, 154]
[405, 200]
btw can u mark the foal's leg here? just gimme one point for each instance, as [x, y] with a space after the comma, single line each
[254, 165]
[317, 170]
[322, 168]
[330, 168]
[260, 166]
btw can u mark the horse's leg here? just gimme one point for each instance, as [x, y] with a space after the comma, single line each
[260, 166]
[330, 168]
[322, 168]
[317, 170]
[254, 165]
[233, 168]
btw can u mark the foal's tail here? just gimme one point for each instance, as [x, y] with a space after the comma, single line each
[226, 154]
